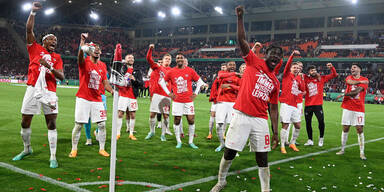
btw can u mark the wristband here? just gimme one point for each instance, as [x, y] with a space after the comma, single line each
[33, 13]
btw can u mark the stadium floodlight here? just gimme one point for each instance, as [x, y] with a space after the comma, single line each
[137, 1]
[27, 6]
[69, 1]
[175, 11]
[161, 14]
[49, 11]
[94, 15]
[219, 10]
[353, 1]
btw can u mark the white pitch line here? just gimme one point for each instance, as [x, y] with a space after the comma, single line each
[43, 178]
[210, 178]
[124, 183]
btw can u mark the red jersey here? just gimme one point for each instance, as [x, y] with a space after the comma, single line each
[157, 74]
[315, 87]
[300, 95]
[291, 86]
[259, 87]
[228, 94]
[127, 91]
[91, 78]
[181, 83]
[355, 103]
[36, 52]
[102, 88]
[213, 94]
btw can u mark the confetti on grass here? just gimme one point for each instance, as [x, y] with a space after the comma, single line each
[43, 189]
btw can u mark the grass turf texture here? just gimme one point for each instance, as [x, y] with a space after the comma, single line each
[161, 163]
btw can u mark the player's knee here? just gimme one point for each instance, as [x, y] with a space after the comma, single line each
[229, 154]
[78, 126]
[25, 124]
[262, 159]
[121, 114]
[191, 121]
[132, 115]
[51, 125]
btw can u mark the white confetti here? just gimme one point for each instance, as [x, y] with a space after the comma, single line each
[374, 188]
[334, 186]
[355, 185]
[370, 185]
[369, 177]
[319, 174]
[382, 189]
[308, 186]
[300, 179]
[359, 177]
[238, 177]
[329, 165]
[245, 179]
[333, 165]
[323, 188]
[291, 167]
[314, 191]
[369, 172]
[197, 189]
[364, 165]
[295, 175]
[361, 183]
[323, 167]
[310, 167]
[244, 191]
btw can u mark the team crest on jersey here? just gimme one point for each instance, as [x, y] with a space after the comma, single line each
[182, 84]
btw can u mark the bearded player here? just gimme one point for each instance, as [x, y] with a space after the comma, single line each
[354, 108]
[89, 103]
[44, 67]
[259, 86]
[180, 78]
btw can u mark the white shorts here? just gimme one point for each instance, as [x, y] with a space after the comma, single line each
[213, 107]
[224, 112]
[160, 104]
[85, 109]
[180, 109]
[243, 127]
[32, 107]
[289, 114]
[300, 108]
[352, 118]
[127, 104]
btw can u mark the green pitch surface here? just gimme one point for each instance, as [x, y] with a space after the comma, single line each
[154, 163]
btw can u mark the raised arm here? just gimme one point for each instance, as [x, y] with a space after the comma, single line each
[243, 44]
[333, 73]
[80, 55]
[287, 68]
[149, 57]
[36, 6]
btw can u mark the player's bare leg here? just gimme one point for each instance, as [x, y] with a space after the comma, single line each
[295, 135]
[176, 127]
[211, 124]
[361, 139]
[25, 136]
[152, 125]
[120, 116]
[344, 139]
[225, 164]
[132, 121]
[191, 130]
[127, 122]
[52, 138]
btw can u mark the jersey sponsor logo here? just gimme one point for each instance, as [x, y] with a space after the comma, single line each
[263, 86]
[312, 89]
[295, 88]
[94, 80]
[182, 85]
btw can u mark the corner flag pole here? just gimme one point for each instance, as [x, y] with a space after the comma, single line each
[115, 76]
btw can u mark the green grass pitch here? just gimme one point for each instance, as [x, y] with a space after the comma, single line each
[161, 163]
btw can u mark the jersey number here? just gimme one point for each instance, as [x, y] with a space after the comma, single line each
[267, 140]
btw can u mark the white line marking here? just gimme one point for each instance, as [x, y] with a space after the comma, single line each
[210, 178]
[43, 178]
[124, 183]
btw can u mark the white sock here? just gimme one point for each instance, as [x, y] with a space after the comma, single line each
[26, 137]
[360, 138]
[295, 135]
[224, 128]
[119, 125]
[264, 177]
[127, 124]
[344, 139]
[223, 170]
[220, 134]
[177, 132]
[283, 136]
[152, 124]
[211, 124]
[52, 139]
[164, 125]
[181, 125]
[132, 126]
[191, 133]
[288, 129]
[76, 132]
[102, 135]
[166, 121]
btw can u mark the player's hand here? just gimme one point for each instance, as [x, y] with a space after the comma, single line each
[112, 92]
[224, 86]
[132, 77]
[364, 82]
[193, 96]
[329, 65]
[36, 6]
[172, 96]
[239, 11]
[296, 52]
[275, 141]
[239, 74]
[151, 46]
[84, 36]
[44, 63]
